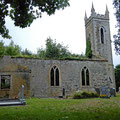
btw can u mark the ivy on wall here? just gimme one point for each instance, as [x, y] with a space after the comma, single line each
[88, 49]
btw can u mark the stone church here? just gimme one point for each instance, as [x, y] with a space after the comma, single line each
[57, 78]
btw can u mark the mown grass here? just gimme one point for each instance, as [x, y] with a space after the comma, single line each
[64, 109]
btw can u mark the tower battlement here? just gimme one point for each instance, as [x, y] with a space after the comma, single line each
[96, 16]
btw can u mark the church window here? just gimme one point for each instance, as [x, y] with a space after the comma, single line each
[54, 76]
[57, 77]
[85, 77]
[102, 35]
[5, 81]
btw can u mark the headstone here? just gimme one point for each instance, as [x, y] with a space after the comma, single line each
[105, 92]
[119, 89]
[22, 92]
[63, 92]
[78, 91]
[112, 92]
[22, 95]
[97, 90]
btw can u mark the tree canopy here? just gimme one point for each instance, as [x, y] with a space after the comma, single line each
[117, 77]
[24, 12]
[116, 4]
[53, 50]
[11, 49]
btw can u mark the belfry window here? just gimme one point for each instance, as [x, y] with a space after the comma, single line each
[54, 76]
[102, 35]
[85, 77]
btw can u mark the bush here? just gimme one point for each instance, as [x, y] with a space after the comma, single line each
[77, 95]
[85, 94]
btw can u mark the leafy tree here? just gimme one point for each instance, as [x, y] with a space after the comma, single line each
[26, 52]
[116, 4]
[2, 48]
[63, 50]
[24, 12]
[53, 50]
[12, 49]
[88, 49]
[41, 52]
[117, 77]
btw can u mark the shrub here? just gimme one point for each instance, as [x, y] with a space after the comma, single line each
[77, 95]
[85, 94]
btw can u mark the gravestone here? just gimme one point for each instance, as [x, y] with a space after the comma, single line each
[119, 90]
[97, 90]
[63, 92]
[22, 95]
[105, 92]
[112, 92]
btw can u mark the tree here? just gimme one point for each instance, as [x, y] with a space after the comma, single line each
[2, 48]
[117, 77]
[116, 4]
[12, 49]
[53, 50]
[24, 12]
[26, 52]
[41, 52]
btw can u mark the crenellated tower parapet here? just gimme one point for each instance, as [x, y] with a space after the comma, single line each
[96, 16]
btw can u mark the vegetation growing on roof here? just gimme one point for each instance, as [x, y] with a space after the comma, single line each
[52, 50]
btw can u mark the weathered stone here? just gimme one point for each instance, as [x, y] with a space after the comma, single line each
[35, 75]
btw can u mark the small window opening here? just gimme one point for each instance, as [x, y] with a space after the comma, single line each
[5, 81]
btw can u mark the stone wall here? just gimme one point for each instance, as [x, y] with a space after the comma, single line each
[19, 75]
[35, 75]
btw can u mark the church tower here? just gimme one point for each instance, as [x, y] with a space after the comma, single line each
[98, 32]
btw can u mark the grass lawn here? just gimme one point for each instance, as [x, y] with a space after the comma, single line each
[67, 109]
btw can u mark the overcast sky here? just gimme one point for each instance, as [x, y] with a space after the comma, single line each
[66, 26]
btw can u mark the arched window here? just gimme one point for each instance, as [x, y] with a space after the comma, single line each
[54, 76]
[57, 77]
[85, 77]
[102, 36]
